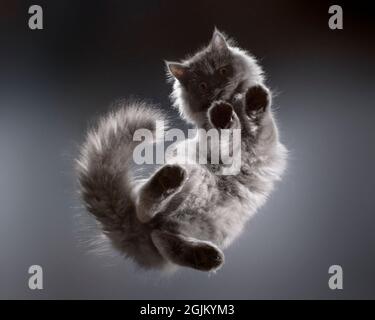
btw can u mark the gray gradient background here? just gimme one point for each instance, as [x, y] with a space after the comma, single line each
[54, 82]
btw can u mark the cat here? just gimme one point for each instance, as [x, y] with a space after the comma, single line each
[186, 213]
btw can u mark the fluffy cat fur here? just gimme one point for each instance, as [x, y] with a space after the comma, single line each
[186, 213]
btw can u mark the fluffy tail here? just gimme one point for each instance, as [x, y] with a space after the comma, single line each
[106, 185]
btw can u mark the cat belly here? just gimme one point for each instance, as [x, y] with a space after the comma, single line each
[209, 217]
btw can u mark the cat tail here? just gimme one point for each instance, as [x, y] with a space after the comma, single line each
[106, 185]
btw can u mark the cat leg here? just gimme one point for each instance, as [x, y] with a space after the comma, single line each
[223, 117]
[257, 106]
[188, 252]
[155, 193]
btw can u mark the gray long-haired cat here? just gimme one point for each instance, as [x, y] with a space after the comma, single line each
[186, 212]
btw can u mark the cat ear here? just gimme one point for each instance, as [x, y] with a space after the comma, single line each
[218, 41]
[178, 70]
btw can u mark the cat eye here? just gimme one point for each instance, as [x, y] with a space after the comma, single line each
[203, 86]
[223, 71]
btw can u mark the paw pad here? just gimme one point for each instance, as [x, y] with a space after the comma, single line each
[257, 99]
[171, 177]
[221, 114]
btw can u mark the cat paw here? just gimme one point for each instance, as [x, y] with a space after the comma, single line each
[257, 99]
[207, 257]
[188, 252]
[221, 114]
[170, 177]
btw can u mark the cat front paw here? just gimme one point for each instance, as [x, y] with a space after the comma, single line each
[221, 114]
[257, 99]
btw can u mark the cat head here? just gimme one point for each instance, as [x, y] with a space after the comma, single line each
[217, 72]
